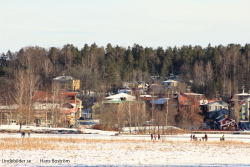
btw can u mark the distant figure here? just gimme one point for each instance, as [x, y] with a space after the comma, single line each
[222, 138]
[206, 137]
[191, 137]
[155, 136]
[29, 134]
[152, 136]
[159, 137]
[194, 138]
[22, 134]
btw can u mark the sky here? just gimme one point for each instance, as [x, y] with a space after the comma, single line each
[149, 23]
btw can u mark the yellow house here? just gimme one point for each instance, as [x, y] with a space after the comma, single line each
[67, 83]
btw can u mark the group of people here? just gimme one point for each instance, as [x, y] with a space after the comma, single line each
[205, 138]
[154, 136]
[193, 138]
[23, 134]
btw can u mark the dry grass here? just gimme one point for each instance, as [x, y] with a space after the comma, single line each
[77, 144]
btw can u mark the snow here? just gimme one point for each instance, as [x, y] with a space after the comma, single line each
[132, 150]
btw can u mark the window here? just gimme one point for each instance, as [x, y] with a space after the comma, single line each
[71, 97]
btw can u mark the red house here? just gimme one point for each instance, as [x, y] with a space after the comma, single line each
[227, 124]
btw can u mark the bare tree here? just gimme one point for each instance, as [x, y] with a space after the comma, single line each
[139, 115]
[236, 111]
[128, 114]
[171, 111]
[108, 115]
[20, 95]
[57, 100]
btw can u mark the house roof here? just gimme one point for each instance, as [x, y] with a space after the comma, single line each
[64, 78]
[219, 116]
[124, 91]
[10, 107]
[193, 94]
[159, 101]
[42, 96]
[218, 101]
[227, 123]
[244, 101]
[70, 110]
[169, 81]
[47, 96]
[225, 119]
[70, 93]
[121, 95]
[242, 94]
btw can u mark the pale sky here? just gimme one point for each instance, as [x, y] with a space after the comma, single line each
[149, 23]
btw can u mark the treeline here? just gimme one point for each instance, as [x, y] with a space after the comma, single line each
[218, 71]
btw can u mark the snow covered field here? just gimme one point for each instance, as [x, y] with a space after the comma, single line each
[105, 149]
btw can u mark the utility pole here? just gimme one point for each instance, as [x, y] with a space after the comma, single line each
[153, 112]
[167, 111]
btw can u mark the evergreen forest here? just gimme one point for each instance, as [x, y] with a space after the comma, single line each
[214, 71]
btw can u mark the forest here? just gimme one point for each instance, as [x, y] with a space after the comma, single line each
[214, 71]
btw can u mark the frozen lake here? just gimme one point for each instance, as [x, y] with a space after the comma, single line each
[111, 136]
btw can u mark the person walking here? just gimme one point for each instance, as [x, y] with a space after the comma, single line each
[206, 137]
[155, 136]
[152, 136]
[29, 134]
[191, 137]
[159, 137]
[223, 138]
[22, 134]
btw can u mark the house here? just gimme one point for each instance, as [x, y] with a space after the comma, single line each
[67, 83]
[201, 98]
[170, 83]
[7, 114]
[189, 110]
[119, 109]
[188, 102]
[210, 110]
[92, 112]
[222, 113]
[227, 124]
[239, 97]
[125, 90]
[243, 105]
[139, 85]
[51, 109]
